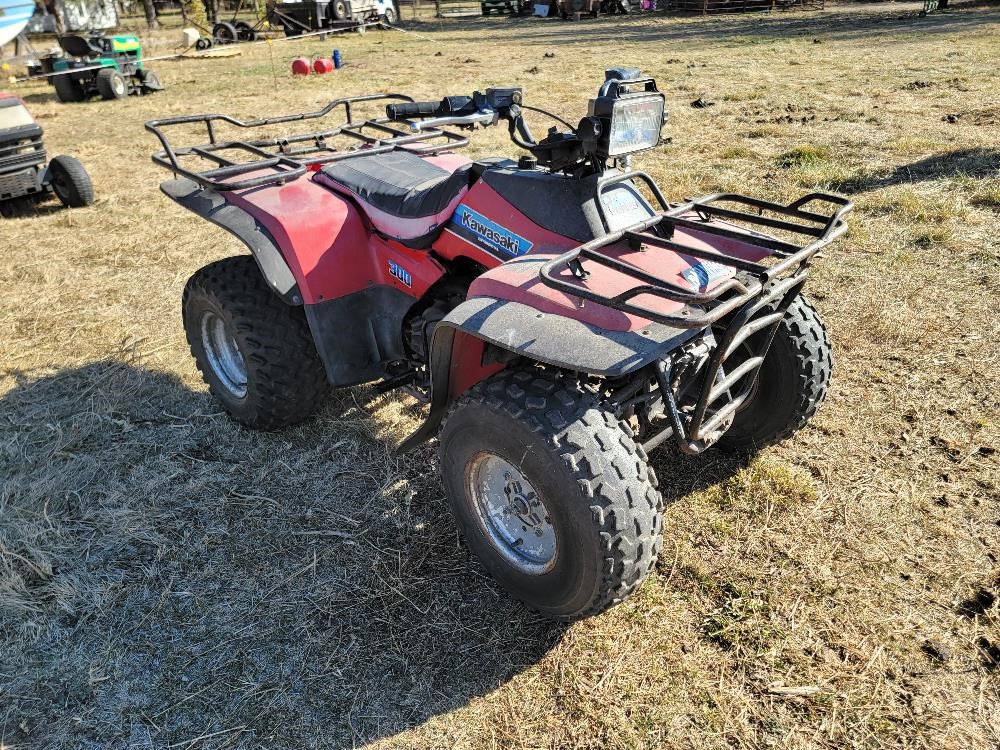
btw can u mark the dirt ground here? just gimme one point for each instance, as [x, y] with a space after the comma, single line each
[170, 580]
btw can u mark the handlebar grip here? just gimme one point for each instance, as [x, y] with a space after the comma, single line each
[412, 109]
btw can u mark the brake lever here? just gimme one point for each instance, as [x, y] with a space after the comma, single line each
[483, 117]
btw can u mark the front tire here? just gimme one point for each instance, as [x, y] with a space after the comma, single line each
[791, 384]
[254, 352]
[70, 182]
[111, 84]
[551, 492]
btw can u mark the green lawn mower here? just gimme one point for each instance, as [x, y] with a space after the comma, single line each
[106, 66]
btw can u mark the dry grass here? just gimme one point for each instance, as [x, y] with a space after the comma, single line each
[170, 580]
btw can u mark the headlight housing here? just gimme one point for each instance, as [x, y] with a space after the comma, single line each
[630, 111]
[635, 124]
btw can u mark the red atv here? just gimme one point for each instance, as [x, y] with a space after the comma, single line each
[560, 316]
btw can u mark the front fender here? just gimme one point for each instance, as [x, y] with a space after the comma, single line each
[457, 358]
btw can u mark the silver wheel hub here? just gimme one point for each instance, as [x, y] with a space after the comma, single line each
[511, 513]
[223, 354]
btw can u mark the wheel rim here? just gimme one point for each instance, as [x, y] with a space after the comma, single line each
[118, 86]
[390, 16]
[512, 513]
[59, 185]
[223, 354]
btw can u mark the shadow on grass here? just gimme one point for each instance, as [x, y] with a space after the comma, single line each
[979, 163]
[166, 575]
[22, 208]
[742, 28]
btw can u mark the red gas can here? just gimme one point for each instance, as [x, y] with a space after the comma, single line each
[300, 66]
[322, 65]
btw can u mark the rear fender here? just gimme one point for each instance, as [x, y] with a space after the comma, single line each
[460, 353]
[213, 207]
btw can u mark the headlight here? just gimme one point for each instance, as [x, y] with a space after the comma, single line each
[635, 124]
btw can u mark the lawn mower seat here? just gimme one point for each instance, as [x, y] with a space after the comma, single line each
[79, 46]
[406, 197]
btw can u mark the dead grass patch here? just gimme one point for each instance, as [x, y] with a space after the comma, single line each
[169, 579]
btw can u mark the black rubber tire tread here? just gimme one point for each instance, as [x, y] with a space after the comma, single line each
[606, 466]
[106, 78]
[75, 188]
[67, 89]
[286, 381]
[225, 31]
[798, 366]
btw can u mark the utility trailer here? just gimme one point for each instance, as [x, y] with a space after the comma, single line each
[315, 15]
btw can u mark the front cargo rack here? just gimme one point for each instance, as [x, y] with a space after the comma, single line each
[721, 215]
[743, 312]
[275, 160]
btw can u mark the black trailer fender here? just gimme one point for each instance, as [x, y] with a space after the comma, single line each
[524, 331]
[210, 205]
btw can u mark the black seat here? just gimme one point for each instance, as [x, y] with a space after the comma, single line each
[400, 182]
[405, 196]
[78, 46]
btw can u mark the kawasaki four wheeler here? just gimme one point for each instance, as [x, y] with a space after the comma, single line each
[561, 318]
[110, 67]
[24, 174]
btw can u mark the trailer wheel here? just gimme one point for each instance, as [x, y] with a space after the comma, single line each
[791, 384]
[245, 32]
[255, 352]
[67, 88]
[111, 84]
[70, 182]
[203, 43]
[225, 32]
[551, 492]
[338, 10]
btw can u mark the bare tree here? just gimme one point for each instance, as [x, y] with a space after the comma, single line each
[150, 9]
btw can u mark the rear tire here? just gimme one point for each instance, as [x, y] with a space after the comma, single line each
[235, 325]
[111, 84]
[791, 384]
[67, 89]
[70, 182]
[527, 452]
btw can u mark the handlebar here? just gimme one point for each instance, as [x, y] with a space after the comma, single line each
[483, 117]
[412, 109]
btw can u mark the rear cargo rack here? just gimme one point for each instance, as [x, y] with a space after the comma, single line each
[275, 160]
[743, 311]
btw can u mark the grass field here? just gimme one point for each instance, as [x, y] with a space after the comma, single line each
[169, 580]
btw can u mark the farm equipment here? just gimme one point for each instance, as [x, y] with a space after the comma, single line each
[24, 174]
[560, 316]
[97, 65]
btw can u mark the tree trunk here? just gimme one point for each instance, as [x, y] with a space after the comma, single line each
[150, 10]
[53, 9]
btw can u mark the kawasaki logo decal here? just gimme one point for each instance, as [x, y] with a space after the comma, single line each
[487, 233]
